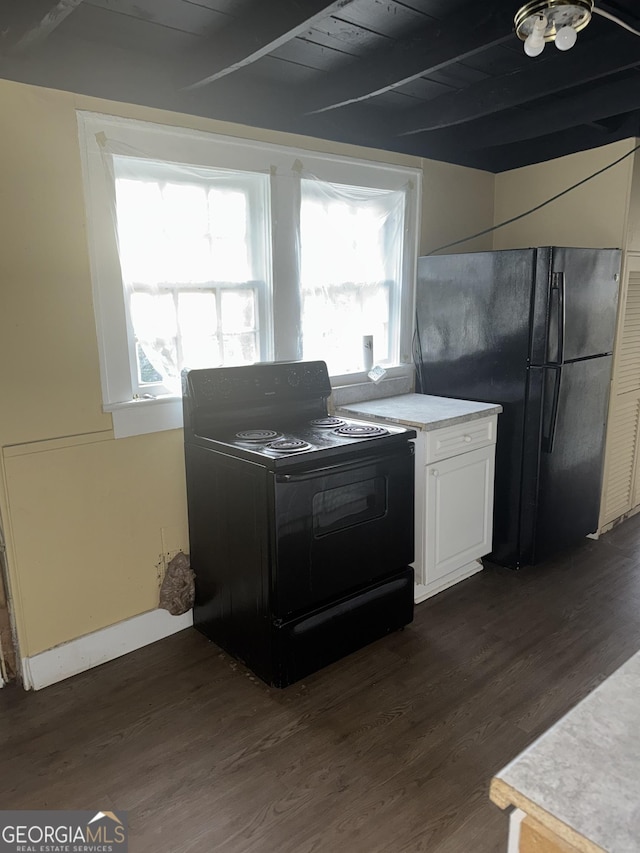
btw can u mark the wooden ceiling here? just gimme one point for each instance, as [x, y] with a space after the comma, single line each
[445, 79]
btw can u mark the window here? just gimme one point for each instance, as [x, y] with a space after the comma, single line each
[194, 269]
[207, 251]
[350, 273]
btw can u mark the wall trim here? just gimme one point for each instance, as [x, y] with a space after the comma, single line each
[93, 649]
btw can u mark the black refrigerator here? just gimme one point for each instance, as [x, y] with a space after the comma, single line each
[532, 329]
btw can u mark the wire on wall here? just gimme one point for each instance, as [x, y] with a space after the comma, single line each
[537, 207]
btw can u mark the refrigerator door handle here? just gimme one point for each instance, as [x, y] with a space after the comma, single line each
[557, 290]
[549, 437]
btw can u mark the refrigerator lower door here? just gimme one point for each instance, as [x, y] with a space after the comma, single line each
[562, 465]
[506, 503]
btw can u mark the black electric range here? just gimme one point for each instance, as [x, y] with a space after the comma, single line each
[300, 524]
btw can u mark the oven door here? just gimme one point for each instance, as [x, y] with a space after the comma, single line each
[340, 527]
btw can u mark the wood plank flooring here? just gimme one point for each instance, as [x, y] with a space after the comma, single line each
[390, 750]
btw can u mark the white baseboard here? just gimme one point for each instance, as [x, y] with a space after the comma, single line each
[76, 656]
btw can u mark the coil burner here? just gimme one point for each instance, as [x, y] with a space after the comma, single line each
[260, 435]
[329, 423]
[289, 445]
[361, 431]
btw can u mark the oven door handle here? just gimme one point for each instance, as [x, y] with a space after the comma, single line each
[344, 467]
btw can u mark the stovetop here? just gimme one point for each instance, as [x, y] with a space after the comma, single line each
[275, 414]
[306, 439]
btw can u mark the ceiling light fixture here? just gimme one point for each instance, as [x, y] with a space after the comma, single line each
[559, 21]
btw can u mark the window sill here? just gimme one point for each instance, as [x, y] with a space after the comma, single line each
[138, 417]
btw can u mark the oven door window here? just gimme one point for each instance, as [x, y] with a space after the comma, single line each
[346, 506]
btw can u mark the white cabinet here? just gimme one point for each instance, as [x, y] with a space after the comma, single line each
[454, 481]
[455, 469]
[458, 515]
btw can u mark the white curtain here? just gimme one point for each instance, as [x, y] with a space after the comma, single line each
[183, 231]
[351, 258]
[194, 243]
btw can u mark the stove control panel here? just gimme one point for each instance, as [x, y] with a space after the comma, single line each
[268, 382]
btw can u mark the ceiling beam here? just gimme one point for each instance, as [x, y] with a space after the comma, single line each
[259, 31]
[423, 52]
[24, 24]
[558, 114]
[503, 158]
[102, 71]
[584, 64]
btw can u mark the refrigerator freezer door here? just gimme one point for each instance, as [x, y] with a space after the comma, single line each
[567, 409]
[575, 304]
[472, 314]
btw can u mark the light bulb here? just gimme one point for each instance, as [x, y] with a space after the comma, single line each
[566, 38]
[533, 46]
[534, 42]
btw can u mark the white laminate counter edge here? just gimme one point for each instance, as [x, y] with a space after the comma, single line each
[582, 777]
[421, 411]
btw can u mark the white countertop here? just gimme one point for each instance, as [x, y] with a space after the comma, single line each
[421, 411]
[582, 777]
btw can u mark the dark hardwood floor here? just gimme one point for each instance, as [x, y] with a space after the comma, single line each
[389, 750]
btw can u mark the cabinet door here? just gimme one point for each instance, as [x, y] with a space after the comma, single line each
[458, 512]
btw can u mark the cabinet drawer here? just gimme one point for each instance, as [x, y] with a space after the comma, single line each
[450, 441]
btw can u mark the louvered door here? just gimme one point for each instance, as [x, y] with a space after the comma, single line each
[622, 468]
[622, 439]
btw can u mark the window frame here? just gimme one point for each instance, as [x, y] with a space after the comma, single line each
[167, 143]
[161, 174]
[216, 289]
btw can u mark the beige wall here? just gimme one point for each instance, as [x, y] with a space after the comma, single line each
[88, 518]
[91, 517]
[593, 215]
[457, 202]
[633, 230]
